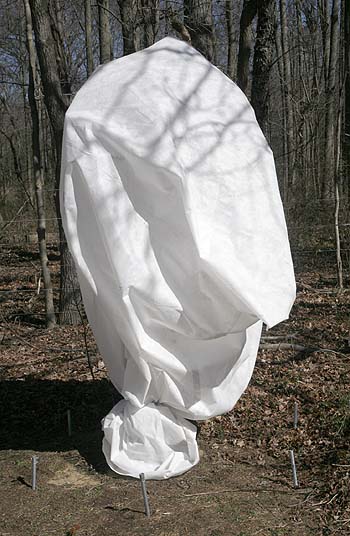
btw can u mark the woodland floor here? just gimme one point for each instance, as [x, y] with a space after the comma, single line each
[243, 484]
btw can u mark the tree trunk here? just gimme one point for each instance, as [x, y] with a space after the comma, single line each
[104, 31]
[287, 89]
[150, 13]
[180, 28]
[88, 38]
[263, 53]
[27, 137]
[285, 190]
[337, 201]
[199, 21]
[56, 104]
[131, 15]
[38, 171]
[346, 144]
[245, 43]
[231, 48]
[323, 10]
[57, 29]
[56, 101]
[329, 168]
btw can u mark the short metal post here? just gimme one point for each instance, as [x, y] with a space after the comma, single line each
[144, 494]
[69, 422]
[34, 468]
[296, 415]
[294, 469]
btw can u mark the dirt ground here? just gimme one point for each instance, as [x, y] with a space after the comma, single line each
[243, 484]
[215, 498]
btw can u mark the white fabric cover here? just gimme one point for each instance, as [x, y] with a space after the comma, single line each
[171, 209]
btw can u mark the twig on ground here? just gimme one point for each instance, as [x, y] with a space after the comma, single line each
[309, 288]
[278, 337]
[285, 346]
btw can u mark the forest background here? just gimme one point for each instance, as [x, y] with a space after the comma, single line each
[292, 59]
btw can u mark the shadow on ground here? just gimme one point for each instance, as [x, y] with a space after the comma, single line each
[33, 416]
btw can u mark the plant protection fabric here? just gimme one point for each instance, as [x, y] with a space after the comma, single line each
[171, 209]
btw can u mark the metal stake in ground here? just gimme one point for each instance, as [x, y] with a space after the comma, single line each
[294, 469]
[34, 468]
[69, 422]
[144, 494]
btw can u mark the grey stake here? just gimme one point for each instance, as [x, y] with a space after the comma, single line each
[34, 468]
[69, 422]
[294, 469]
[144, 494]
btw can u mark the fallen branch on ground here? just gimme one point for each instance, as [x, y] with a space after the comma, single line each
[304, 286]
[278, 337]
[287, 346]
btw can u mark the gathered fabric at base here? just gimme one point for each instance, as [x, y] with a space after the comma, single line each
[171, 209]
[154, 440]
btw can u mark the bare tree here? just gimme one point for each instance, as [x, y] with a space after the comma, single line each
[323, 9]
[56, 102]
[88, 37]
[104, 31]
[263, 54]
[131, 17]
[245, 43]
[330, 127]
[287, 89]
[231, 45]
[337, 201]
[346, 145]
[150, 13]
[199, 21]
[34, 98]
